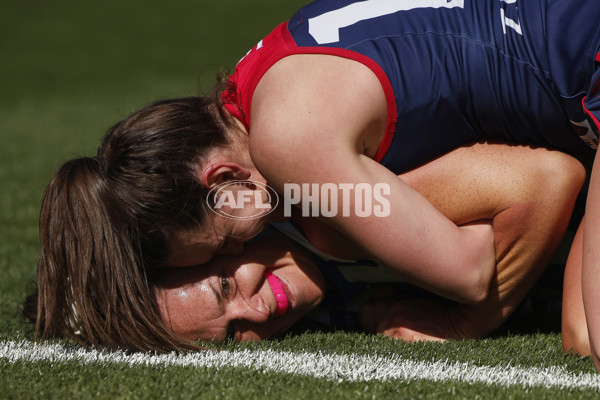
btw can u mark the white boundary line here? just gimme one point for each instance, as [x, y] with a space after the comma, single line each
[319, 365]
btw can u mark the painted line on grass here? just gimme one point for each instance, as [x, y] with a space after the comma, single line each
[319, 365]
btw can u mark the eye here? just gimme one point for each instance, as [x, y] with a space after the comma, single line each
[225, 286]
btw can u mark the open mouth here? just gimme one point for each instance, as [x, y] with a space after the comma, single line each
[277, 288]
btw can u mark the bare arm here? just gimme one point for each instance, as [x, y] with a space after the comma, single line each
[333, 114]
[591, 262]
[574, 329]
[529, 194]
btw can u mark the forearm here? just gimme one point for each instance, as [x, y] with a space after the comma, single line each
[521, 261]
[429, 250]
[591, 262]
[574, 331]
[529, 194]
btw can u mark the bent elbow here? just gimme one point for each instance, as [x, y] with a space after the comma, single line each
[477, 286]
[478, 291]
[473, 289]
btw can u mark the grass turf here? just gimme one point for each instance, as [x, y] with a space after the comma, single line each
[71, 69]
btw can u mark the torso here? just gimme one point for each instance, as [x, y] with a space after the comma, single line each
[453, 72]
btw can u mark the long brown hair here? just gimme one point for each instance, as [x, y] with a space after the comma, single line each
[105, 223]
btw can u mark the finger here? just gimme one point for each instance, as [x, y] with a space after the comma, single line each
[410, 335]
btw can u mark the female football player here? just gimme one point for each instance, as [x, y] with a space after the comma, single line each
[527, 193]
[351, 94]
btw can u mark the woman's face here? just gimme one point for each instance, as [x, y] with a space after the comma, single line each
[223, 236]
[231, 296]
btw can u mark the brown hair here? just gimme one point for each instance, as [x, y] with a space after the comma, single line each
[105, 222]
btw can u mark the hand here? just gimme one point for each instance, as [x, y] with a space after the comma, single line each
[408, 320]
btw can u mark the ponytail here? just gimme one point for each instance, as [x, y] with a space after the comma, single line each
[92, 286]
[105, 222]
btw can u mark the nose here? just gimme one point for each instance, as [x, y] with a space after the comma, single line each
[254, 325]
[254, 315]
[250, 303]
[251, 318]
[232, 248]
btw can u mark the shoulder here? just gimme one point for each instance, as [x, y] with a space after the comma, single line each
[320, 98]
[313, 75]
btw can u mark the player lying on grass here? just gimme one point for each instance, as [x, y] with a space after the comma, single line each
[528, 194]
[352, 92]
[238, 297]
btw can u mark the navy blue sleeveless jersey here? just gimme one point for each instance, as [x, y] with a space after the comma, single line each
[454, 71]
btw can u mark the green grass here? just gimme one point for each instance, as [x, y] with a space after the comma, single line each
[70, 69]
[46, 379]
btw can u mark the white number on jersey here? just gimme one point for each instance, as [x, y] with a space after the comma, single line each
[326, 27]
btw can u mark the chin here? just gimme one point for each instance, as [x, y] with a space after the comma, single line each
[252, 233]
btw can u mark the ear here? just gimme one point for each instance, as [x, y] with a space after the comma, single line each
[219, 172]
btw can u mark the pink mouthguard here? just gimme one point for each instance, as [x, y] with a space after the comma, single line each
[277, 288]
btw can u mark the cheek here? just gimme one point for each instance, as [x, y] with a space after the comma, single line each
[192, 328]
[188, 315]
[310, 295]
[310, 288]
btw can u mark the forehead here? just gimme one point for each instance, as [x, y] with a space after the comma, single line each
[188, 304]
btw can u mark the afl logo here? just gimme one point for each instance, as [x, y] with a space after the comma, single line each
[242, 199]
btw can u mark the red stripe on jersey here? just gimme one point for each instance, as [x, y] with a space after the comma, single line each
[590, 114]
[278, 45]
